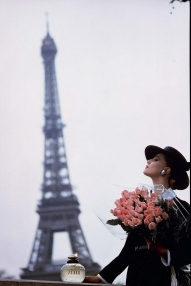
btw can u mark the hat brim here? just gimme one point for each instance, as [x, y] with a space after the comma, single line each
[151, 151]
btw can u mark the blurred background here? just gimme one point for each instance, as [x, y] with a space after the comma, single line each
[122, 71]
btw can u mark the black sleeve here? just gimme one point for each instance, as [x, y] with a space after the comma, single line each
[120, 263]
[181, 250]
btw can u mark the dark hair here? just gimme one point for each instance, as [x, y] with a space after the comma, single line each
[178, 178]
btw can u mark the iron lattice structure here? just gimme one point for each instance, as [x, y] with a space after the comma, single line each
[59, 207]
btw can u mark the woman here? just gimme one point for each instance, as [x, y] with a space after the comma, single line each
[149, 263]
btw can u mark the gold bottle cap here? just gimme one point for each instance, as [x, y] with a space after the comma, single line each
[73, 256]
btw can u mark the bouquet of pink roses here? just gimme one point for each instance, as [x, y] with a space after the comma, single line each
[159, 216]
[144, 212]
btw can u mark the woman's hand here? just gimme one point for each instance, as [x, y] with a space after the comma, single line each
[92, 279]
[156, 247]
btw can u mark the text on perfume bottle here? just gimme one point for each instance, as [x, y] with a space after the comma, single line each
[76, 272]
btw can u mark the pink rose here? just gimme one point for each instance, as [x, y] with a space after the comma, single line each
[150, 204]
[152, 225]
[117, 203]
[129, 222]
[148, 211]
[165, 215]
[140, 216]
[125, 194]
[128, 217]
[132, 197]
[143, 205]
[157, 211]
[137, 202]
[137, 191]
[125, 211]
[134, 213]
[130, 202]
[129, 207]
[148, 219]
[122, 201]
[138, 209]
[116, 211]
[158, 219]
[142, 192]
[136, 221]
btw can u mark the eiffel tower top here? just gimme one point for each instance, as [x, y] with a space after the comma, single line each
[48, 49]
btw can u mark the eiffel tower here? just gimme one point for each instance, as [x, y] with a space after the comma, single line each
[58, 208]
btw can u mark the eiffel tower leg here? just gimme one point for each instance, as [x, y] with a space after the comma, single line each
[79, 245]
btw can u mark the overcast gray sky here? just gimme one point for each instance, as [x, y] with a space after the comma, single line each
[123, 81]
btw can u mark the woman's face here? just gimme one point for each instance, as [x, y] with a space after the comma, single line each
[155, 166]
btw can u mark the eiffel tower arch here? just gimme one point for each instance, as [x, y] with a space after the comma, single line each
[58, 208]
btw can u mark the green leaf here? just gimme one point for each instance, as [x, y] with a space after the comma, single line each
[113, 221]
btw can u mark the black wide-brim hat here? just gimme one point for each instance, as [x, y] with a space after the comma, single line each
[178, 163]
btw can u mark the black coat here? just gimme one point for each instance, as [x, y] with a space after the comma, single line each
[145, 267]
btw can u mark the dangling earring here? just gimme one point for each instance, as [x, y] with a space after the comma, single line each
[162, 172]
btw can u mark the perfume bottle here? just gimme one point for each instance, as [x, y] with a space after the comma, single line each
[72, 271]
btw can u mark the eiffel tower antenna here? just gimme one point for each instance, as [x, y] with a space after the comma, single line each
[58, 208]
[47, 22]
